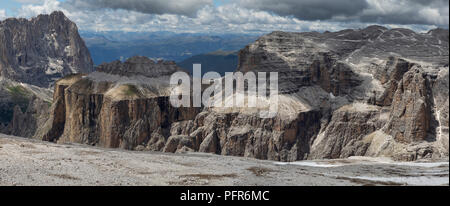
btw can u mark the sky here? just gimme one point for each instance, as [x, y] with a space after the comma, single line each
[237, 16]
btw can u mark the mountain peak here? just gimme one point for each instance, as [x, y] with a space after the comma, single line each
[58, 14]
[42, 49]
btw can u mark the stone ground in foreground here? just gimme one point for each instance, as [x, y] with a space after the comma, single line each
[30, 162]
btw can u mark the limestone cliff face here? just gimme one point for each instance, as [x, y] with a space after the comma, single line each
[374, 88]
[41, 50]
[33, 55]
[247, 135]
[25, 123]
[441, 110]
[410, 118]
[369, 92]
[343, 135]
[23, 107]
[108, 109]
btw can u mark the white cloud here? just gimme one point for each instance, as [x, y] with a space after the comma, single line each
[433, 12]
[30, 1]
[307, 9]
[181, 7]
[426, 12]
[228, 18]
[2, 14]
[45, 7]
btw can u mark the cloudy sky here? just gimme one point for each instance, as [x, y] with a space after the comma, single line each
[237, 16]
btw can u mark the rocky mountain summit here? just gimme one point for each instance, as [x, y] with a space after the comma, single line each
[368, 92]
[34, 53]
[380, 92]
[42, 50]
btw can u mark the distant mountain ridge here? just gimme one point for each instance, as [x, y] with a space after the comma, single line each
[218, 61]
[110, 46]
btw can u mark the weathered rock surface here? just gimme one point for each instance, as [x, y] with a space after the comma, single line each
[246, 135]
[41, 50]
[410, 116]
[26, 162]
[23, 107]
[343, 135]
[107, 109]
[369, 92]
[25, 124]
[441, 110]
[381, 99]
[33, 55]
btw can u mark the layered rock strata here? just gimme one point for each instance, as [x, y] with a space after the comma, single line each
[368, 92]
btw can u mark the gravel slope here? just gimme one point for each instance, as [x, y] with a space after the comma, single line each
[31, 162]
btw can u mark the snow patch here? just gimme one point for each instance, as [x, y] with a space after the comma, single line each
[309, 164]
[356, 160]
[420, 180]
[68, 50]
[419, 164]
[54, 66]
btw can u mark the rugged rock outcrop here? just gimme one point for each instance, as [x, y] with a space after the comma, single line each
[343, 135]
[410, 118]
[248, 135]
[441, 110]
[379, 81]
[120, 108]
[25, 124]
[34, 54]
[369, 92]
[23, 107]
[42, 50]
[390, 75]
